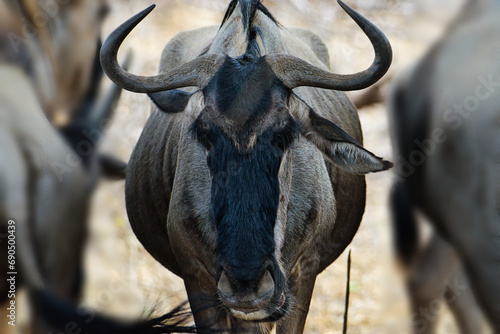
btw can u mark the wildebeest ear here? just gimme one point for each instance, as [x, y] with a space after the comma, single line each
[341, 148]
[111, 167]
[171, 101]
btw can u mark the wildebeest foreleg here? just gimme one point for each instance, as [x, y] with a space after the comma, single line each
[437, 279]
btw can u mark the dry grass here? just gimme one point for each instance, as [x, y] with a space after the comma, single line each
[124, 280]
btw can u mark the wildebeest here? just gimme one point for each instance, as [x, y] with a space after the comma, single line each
[251, 183]
[445, 114]
[46, 188]
[47, 175]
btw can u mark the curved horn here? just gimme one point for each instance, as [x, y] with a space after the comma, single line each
[197, 72]
[294, 72]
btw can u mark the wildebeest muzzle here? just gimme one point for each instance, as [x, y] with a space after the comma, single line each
[255, 293]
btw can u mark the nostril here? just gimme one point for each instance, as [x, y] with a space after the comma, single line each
[224, 285]
[266, 285]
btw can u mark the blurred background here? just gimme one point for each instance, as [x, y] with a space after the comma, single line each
[122, 279]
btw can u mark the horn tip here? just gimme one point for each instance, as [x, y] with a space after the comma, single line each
[149, 9]
[344, 6]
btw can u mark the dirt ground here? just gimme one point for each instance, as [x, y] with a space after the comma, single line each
[123, 279]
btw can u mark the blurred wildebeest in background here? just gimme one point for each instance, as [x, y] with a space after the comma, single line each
[55, 41]
[248, 186]
[49, 65]
[445, 116]
[46, 188]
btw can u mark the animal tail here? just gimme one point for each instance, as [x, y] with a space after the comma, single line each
[405, 229]
[64, 316]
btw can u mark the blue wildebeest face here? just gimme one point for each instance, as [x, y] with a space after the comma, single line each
[246, 128]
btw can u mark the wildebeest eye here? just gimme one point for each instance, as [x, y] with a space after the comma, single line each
[203, 133]
[284, 137]
[203, 139]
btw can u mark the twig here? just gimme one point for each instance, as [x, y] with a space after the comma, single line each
[347, 291]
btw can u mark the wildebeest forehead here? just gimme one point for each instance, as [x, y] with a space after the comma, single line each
[245, 99]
